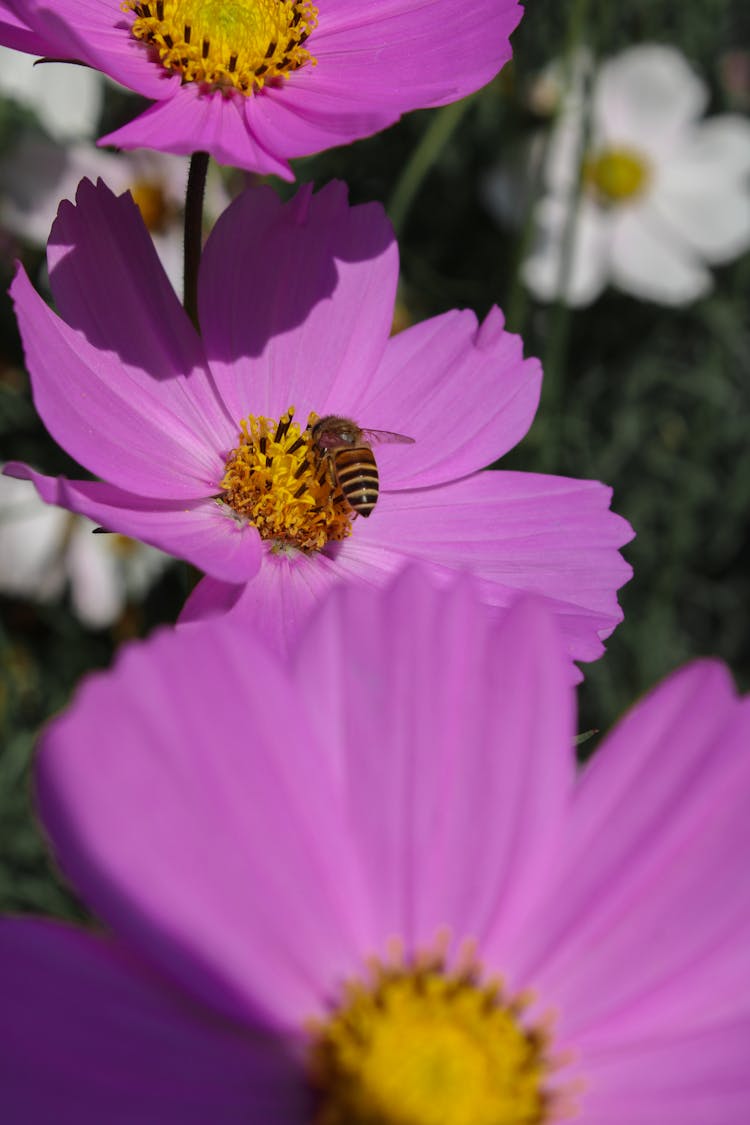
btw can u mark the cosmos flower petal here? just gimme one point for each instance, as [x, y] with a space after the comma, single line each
[517, 531]
[108, 283]
[478, 780]
[198, 531]
[91, 1034]
[647, 96]
[656, 910]
[299, 119]
[294, 334]
[590, 257]
[95, 32]
[690, 1077]
[463, 392]
[192, 887]
[175, 124]
[714, 224]
[16, 34]
[448, 50]
[649, 259]
[112, 424]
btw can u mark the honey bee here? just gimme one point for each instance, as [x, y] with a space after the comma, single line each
[345, 447]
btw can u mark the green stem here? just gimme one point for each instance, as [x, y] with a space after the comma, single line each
[440, 130]
[196, 187]
[555, 353]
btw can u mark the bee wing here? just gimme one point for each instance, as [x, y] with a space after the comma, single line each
[385, 437]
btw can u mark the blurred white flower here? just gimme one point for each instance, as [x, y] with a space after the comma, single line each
[67, 99]
[38, 173]
[663, 194]
[44, 550]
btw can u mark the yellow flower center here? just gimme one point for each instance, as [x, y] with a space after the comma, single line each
[277, 480]
[617, 174]
[151, 201]
[228, 44]
[421, 1046]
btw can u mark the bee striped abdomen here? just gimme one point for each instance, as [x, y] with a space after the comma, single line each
[357, 476]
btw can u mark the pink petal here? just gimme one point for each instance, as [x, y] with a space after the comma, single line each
[465, 394]
[654, 926]
[516, 532]
[231, 878]
[111, 423]
[198, 531]
[690, 1078]
[88, 1034]
[16, 34]
[108, 283]
[295, 334]
[191, 121]
[97, 32]
[453, 738]
[401, 55]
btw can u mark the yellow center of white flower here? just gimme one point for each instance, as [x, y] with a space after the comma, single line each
[226, 44]
[617, 175]
[422, 1046]
[151, 200]
[278, 480]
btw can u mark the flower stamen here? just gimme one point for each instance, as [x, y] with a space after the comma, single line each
[277, 480]
[226, 44]
[616, 174]
[418, 1044]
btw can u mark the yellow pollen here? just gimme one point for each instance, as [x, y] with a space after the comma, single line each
[422, 1046]
[276, 480]
[226, 44]
[617, 174]
[153, 205]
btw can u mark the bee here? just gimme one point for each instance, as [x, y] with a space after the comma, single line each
[345, 448]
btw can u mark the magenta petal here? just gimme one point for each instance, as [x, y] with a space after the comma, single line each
[516, 532]
[231, 878]
[453, 736]
[191, 120]
[111, 423]
[88, 1034]
[305, 116]
[686, 1077]
[16, 34]
[464, 393]
[199, 531]
[401, 55]
[108, 283]
[660, 907]
[295, 334]
[97, 32]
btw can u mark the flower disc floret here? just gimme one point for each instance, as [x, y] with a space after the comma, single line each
[423, 1046]
[229, 44]
[617, 174]
[277, 480]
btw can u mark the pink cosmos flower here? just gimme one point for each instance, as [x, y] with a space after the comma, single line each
[369, 875]
[296, 303]
[256, 82]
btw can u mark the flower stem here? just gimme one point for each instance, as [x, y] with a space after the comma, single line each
[555, 353]
[194, 230]
[440, 130]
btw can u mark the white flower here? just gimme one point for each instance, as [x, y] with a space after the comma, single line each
[38, 173]
[67, 99]
[44, 549]
[664, 195]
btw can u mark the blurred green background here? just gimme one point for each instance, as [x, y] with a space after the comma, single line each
[653, 401]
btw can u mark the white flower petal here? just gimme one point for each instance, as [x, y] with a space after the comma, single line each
[649, 261]
[97, 590]
[714, 224]
[67, 99]
[645, 97]
[32, 538]
[590, 254]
